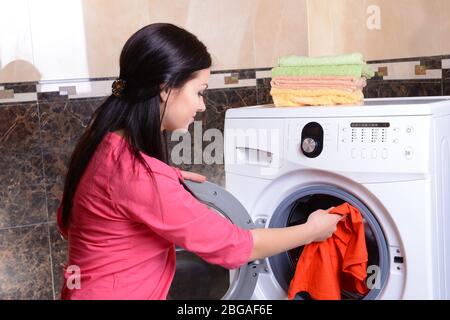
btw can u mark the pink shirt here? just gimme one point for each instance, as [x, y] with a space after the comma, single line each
[122, 237]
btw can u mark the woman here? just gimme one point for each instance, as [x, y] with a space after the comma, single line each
[124, 209]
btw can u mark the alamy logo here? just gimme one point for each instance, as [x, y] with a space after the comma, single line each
[373, 280]
[260, 147]
[373, 21]
[74, 279]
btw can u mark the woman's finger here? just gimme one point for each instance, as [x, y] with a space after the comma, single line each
[193, 176]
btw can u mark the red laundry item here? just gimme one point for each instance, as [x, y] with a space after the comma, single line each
[338, 263]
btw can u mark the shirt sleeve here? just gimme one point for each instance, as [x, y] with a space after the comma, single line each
[174, 214]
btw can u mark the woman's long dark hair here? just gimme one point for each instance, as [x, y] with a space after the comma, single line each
[158, 57]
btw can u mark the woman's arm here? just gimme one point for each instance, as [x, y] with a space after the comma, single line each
[268, 242]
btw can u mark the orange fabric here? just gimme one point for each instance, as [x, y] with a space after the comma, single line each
[340, 262]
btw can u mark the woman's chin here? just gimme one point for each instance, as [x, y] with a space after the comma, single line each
[182, 130]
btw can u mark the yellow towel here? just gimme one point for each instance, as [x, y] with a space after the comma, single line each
[315, 97]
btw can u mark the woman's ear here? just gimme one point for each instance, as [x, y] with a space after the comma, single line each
[164, 93]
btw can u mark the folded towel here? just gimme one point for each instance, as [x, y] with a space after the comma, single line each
[320, 97]
[349, 70]
[313, 93]
[349, 84]
[294, 101]
[298, 61]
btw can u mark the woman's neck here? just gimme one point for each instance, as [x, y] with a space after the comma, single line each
[120, 132]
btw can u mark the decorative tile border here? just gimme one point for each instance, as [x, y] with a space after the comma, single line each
[17, 97]
[264, 74]
[101, 87]
[217, 81]
[406, 71]
[76, 89]
[18, 92]
[20, 87]
[418, 68]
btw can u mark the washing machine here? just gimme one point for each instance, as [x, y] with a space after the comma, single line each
[389, 158]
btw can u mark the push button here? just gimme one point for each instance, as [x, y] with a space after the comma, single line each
[363, 153]
[408, 153]
[373, 154]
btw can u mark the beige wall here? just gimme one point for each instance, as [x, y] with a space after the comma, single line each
[409, 28]
[83, 38]
[53, 39]
[16, 54]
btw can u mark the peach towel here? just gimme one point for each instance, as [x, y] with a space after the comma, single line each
[349, 84]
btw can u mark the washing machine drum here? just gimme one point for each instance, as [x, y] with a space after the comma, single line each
[196, 279]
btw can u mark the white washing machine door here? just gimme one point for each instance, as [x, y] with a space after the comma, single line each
[195, 278]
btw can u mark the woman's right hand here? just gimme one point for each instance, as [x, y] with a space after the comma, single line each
[323, 224]
[271, 241]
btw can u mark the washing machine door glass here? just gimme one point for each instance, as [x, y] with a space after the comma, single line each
[197, 279]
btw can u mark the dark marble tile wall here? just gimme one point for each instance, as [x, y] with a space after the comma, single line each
[403, 88]
[446, 82]
[22, 180]
[25, 264]
[263, 91]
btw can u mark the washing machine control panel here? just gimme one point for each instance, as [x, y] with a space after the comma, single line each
[377, 140]
[396, 144]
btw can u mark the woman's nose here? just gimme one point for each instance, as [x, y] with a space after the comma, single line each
[202, 107]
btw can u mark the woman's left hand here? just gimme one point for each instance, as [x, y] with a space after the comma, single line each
[192, 176]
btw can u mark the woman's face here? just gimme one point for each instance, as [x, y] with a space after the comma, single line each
[183, 103]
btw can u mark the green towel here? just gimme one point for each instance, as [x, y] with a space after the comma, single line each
[367, 72]
[299, 61]
[350, 70]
